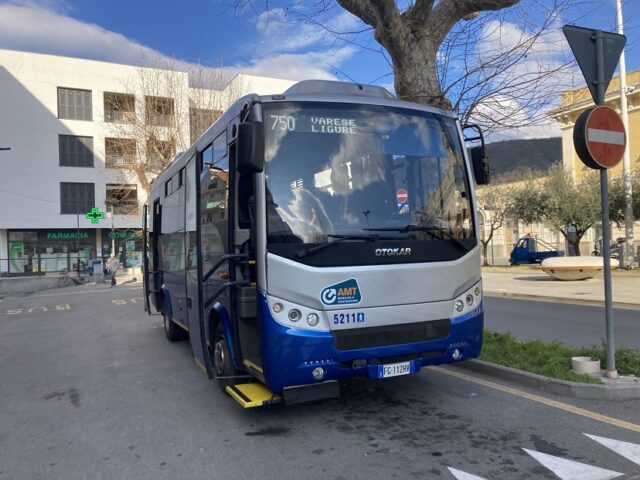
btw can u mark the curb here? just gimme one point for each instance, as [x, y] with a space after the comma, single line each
[570, 301]
[612, 391]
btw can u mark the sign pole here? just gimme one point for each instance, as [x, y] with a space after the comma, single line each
[606, 233]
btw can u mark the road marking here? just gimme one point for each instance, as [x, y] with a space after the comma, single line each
[572, 470]
[44, 309]
[460, 475]
[628, 450]
[14, 311]
[634, 427]
[64, 306]
[119, 302]
[81, 292]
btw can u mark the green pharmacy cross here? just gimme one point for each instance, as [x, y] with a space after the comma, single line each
[94, 215]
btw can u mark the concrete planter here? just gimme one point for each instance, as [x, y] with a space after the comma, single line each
[585, 366]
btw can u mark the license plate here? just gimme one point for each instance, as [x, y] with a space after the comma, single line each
[395, 369]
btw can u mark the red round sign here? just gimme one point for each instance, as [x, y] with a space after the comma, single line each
[599, 137]
[402, 195]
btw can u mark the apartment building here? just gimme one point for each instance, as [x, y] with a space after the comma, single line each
[80, 141]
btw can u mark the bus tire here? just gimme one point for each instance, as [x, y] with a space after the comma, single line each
[222, 363]
[172, 331]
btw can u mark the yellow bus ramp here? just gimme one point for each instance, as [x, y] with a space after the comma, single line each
[251, 395]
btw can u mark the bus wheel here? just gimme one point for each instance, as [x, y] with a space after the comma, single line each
[222, 363]
[172, 331]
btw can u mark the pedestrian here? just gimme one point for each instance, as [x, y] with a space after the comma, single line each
[112, 268]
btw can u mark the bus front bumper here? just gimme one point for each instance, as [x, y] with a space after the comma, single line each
[294, 356]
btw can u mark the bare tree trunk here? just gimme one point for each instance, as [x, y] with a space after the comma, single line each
[485, 245]
[416, 73]
[412, 38]
[576, 246]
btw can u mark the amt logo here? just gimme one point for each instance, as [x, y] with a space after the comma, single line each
[329, 295]
[343, 293]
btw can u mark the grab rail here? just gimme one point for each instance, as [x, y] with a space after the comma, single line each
[224, 258]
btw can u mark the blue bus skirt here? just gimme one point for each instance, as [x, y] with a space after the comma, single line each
[289, 355]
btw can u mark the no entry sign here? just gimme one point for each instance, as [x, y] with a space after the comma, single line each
[402, 195]
[599, 138]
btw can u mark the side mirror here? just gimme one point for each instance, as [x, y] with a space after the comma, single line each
[480, 164]
[250, 148]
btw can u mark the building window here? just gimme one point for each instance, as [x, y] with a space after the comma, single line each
[159, 111]
[159, 153]
[119, 107]
[119, 152]
[200, 119]
[75, 151]
[175, 183]
[76, 198]
[122, 199]
[74, 104]
[50, 250]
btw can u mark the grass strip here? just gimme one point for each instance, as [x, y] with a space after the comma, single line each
[552, 359]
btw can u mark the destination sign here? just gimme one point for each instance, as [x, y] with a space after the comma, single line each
[314, 124]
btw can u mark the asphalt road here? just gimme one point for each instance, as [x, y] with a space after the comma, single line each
[90, 389]
[578, 325]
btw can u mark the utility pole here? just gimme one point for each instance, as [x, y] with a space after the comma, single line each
[626, 159]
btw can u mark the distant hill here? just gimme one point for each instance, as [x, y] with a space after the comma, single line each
[510, 157]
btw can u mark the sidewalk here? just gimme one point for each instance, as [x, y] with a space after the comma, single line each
[525, 282]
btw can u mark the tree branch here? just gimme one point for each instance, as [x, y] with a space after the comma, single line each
[449, 12]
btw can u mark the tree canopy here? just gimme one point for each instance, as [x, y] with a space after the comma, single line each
[569, 208]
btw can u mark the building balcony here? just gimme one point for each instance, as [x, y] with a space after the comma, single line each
[120, 161]
[119, 116]
[124, 209]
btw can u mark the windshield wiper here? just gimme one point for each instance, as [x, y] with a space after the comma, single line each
[444, 234]
[341, 238]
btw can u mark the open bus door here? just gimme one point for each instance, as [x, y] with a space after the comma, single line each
[145, 260]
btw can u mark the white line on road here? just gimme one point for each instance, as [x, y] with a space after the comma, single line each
[460, 475]
[572, 470]
[628, 450]
[83, 292]
[634, 427]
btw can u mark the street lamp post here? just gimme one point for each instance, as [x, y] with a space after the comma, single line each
[113, 238]
[627, 252]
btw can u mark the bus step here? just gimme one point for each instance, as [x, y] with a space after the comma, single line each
[253, 367]
[251, 395]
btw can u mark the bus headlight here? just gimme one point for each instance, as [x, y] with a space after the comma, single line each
[297, 316]
[313, 319]
[467, 301]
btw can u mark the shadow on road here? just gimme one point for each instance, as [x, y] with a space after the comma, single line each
[537, 278]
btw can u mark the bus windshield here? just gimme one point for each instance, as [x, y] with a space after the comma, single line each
[347, 169]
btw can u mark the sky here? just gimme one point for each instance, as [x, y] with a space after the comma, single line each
[275, 42]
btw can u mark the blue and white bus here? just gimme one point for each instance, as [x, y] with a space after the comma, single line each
[324, 233]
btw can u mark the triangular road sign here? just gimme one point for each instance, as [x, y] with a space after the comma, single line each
[583, 44]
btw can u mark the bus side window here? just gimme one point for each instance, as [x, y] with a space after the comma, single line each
[214, 202]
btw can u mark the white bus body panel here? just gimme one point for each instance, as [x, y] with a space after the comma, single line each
[388, 285]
